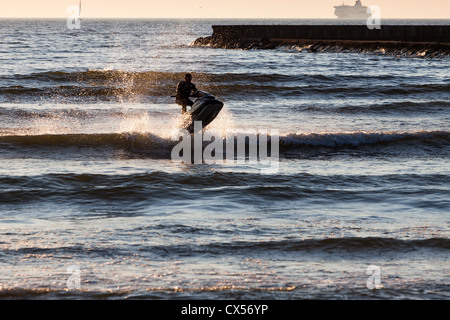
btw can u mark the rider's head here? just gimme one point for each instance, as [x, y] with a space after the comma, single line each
[188, 77]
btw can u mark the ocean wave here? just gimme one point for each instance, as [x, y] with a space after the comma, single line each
[104, 93]
[132, 194]
[125, 195]
[328, 245]
[363, 138]
[383, 107]
[111, 84]
[115, 140]
[115, 91]
[93, 75]
[149, 141]
[215, 179]
[323, 245]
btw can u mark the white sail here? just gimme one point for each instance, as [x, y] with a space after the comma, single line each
[79, 11]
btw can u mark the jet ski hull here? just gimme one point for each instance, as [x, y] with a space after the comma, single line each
[205, 109]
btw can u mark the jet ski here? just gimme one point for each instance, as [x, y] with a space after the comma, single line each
[205, 109]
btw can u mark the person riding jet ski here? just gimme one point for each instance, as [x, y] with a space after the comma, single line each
[184, 90]
[205, 108]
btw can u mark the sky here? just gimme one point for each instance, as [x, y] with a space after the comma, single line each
[302, 9]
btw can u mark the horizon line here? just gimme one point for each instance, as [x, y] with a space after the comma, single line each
[217, 18]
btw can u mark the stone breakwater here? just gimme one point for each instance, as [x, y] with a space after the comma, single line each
[421, 41]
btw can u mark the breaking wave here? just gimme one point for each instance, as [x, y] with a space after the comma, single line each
[153, 142]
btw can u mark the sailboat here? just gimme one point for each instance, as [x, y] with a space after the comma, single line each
[79, 13]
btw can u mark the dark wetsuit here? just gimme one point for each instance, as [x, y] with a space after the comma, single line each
[184, 91]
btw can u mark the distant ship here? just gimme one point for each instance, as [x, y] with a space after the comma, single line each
[358, 11]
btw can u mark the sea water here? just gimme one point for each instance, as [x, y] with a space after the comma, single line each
[89, 192]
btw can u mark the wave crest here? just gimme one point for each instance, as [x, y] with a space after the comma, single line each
[361, 138]
[149, 141]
